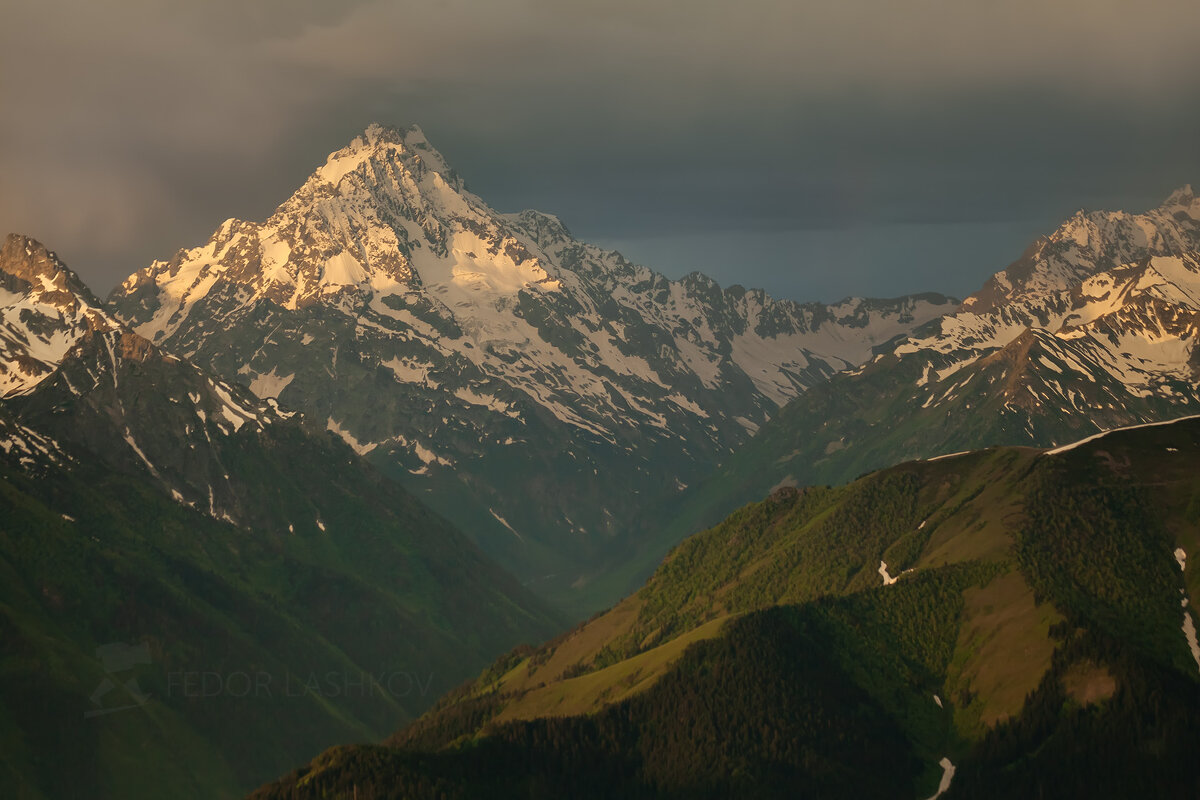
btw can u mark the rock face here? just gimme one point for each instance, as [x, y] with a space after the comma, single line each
[1095, 327]
[540, 391]
[44, 309]
[1088, 243]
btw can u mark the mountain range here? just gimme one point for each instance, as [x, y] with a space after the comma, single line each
[149, 508]
[538, 391]
[1094, 328]
[860, 549]
[1002, 623]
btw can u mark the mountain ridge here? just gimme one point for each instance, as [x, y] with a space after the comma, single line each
[45, 308]
[148, 507]
[1103, 347]
[491, 345]
[1039, 605]
[1090, 242]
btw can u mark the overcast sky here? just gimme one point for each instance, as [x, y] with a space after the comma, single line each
[818, 150]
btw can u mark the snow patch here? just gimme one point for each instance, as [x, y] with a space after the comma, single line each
[1189, 633]
[270, 384]
[1068, 447]
[504, 522]
[359, 447]
[948, 770]
[949, 455]
[430, 457]
[341, 270]
[409, 370]
[133, 446]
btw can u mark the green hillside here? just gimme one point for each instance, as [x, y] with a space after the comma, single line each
[1037, 643]
[337, 608]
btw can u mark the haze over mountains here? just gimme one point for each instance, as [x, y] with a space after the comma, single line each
[541, 392]
[1000, 624]
[1094, 327]
[391, 428]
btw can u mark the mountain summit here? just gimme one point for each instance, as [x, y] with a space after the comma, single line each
[1095, 328]
[540, 391]
[44, 309]
[1091, 242]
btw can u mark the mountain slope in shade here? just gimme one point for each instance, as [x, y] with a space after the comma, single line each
[1055, 361]
[540, 391]
[1017, 621]
[44, 309]
[145, 504]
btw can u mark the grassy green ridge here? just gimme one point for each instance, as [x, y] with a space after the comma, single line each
[767, 710]
[1066, 561]
[794, 547]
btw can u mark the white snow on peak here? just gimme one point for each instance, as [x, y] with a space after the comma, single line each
[339, 164]
[1183, 196]
[605, 346]
[270, 384]
[1112, 309]
[341, 270]
[38, 327]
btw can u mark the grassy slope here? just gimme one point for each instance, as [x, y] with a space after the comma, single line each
[388, 589]
[793, 547]
[874, 418]
[1035, 578]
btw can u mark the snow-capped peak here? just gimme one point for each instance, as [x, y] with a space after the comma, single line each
[44, 309]
[1183, 197]
[29, 261]
[378, 144]
[386, 233]
[384, 297]
[1089, 243]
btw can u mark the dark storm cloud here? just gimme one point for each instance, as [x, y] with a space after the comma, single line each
[923, 141]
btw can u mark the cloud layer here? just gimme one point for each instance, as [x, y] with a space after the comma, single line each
[129, 129]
